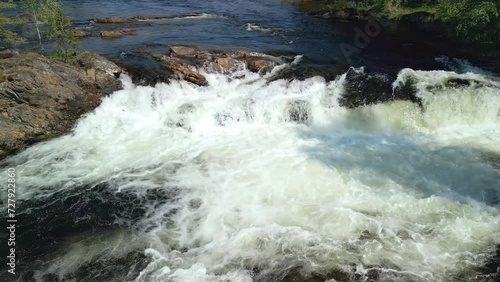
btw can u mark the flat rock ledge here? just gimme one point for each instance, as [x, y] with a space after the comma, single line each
[41, 98]
[106, 34]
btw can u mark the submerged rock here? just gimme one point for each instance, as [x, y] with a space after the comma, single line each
[118, 33]
[82, 33]
[113, 20]
[183, 51]
[120, 20]
[41, 98]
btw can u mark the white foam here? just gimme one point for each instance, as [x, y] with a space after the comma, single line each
[256, 27]
[382, 185]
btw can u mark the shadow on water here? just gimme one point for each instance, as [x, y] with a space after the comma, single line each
[87, 212]
[456, 173]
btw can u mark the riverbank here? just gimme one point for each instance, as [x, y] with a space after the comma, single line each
[474, 28]
[41, 98]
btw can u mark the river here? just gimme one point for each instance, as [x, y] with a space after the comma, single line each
[249, 179]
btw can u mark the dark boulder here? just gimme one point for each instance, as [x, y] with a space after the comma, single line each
[365, 88]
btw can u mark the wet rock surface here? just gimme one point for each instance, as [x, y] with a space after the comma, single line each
[118, 33]
[41, 98]
[364, 88]
[187, 63]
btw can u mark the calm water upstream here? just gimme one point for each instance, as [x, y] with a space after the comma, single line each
[224, 183]
[261, 25]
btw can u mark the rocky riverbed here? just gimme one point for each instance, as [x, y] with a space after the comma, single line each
[41, 98]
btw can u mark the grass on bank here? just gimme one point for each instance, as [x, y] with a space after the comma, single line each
[470, 21]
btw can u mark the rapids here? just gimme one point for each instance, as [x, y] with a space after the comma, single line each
[256, 180]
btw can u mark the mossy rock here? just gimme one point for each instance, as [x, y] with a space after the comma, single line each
[2, 78]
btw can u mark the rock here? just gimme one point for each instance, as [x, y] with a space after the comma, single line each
[146, 73]
[243, 54]
[119, 20]
[183, 51]
[111, 34]
[82, 33]
[91, 60]
[182, 71]
[128, 31]
[41, 98]
[365, 88]
[259, 65]
[183, 61]
[226, 63]
[161, 57]
[113, 20]
[117, 33]
[146, 18]
[100, 70]
[8, 54]
[307, 70]
[212, 67]
[407, 91]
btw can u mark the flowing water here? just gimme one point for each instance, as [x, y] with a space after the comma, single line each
[250, 179]
[246, 178]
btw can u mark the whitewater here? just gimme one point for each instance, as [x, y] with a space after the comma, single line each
[250, 179]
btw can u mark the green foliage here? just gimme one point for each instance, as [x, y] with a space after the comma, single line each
[58, 26]
[6, 34]
[471, 20]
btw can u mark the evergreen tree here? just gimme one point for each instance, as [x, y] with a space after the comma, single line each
[58, 26]
[6, 34]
